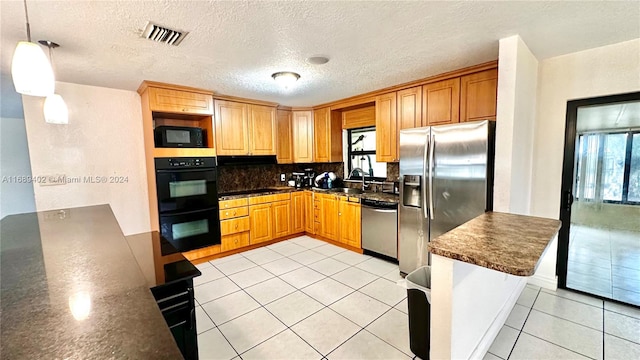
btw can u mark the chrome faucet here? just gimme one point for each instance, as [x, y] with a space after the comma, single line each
[361, 172]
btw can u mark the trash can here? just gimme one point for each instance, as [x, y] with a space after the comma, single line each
[419, 301]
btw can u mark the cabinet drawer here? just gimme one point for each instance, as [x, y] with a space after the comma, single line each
[234, 226]
[269, 198]
[176, 101]
[316, 214]
[316, 228]
[228, 204]
[235, 241]
[234, 213]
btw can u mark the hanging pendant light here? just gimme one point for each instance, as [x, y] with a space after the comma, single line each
[31, 71]
[55, 109]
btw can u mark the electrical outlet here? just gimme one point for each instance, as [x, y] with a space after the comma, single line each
[283, 177]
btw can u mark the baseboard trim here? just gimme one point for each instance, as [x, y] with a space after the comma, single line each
[544, 282]
[490, 335]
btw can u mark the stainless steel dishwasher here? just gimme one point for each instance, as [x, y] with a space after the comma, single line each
[380, 227]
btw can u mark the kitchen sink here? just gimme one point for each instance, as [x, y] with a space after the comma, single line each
[347, 190]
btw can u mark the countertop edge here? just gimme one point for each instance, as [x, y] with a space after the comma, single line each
[505, 268]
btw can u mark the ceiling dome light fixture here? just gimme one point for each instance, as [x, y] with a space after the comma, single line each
[31, 71]
[55, 109]
[286, 78]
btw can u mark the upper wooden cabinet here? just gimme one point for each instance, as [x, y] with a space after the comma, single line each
[284, 141]
[386, 128]
[441, 102]
[232, 128]
[357, 118]
[409, 108]
[177, 101]
[245, 129]
[262, 130]
[478, 96]
[303, 136]
[327, 135]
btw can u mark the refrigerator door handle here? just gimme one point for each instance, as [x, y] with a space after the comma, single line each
[424, 181]
[432, 166]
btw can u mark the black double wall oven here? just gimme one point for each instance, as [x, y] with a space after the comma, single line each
[188, 201]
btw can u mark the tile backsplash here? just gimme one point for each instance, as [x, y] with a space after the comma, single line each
[249, 177]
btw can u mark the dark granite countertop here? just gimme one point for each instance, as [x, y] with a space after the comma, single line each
[159, 261]
[270, 191]
[509, 243]
[70, 287]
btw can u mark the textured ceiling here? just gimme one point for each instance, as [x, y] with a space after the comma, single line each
[234, 47]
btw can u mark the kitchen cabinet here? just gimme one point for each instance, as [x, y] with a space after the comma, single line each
[234, 224]
[245, 129]
[478, 96]
[349, 217]
[303, 136]
[284, 141]
[178, 101]
[441, 102]
[298, 209]
[409, 112]
[261, 220]
[358, 118]
[327, 135]
[329, 226]
[281, 218]
[386, 128]
[232, 128]
[309, 221]
[262, 130]
[409, 108]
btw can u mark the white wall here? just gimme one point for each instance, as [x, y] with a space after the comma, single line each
[103, 138]
[606, 70]
[516, 109]
[15, 197]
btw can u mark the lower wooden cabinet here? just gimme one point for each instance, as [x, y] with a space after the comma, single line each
[329, 226]
[261, 220]
[234, 241]
[349, 217]
[281, 218]
[309, 220]
[297, 212]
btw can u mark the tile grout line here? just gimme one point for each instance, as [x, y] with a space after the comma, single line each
[300, 289]
[523, 324]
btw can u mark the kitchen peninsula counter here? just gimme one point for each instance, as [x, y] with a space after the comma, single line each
[478, 271]
[509, 243]
[71, 288]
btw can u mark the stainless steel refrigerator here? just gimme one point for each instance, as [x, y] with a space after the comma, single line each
[446, 179]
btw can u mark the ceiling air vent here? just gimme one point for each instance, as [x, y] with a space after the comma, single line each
[163, 34]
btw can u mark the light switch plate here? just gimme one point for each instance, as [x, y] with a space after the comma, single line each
[283, 177]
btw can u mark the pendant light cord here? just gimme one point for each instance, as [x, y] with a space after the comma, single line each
[26, 15]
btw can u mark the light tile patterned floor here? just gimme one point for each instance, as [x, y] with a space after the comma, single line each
[287, 308]
[605, 262]
[561, 324]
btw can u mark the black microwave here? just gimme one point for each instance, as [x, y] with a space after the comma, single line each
[179, 137]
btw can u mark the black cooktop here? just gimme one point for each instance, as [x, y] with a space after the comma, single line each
[248, 192]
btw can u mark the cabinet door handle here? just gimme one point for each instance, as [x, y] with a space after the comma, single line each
[339, 214]
[227, 213]
[234, 213]
[184, 109]
[236, 226]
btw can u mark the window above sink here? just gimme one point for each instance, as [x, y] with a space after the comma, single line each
[360, 152]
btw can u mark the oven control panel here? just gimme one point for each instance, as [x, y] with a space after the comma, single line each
[185, 163]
